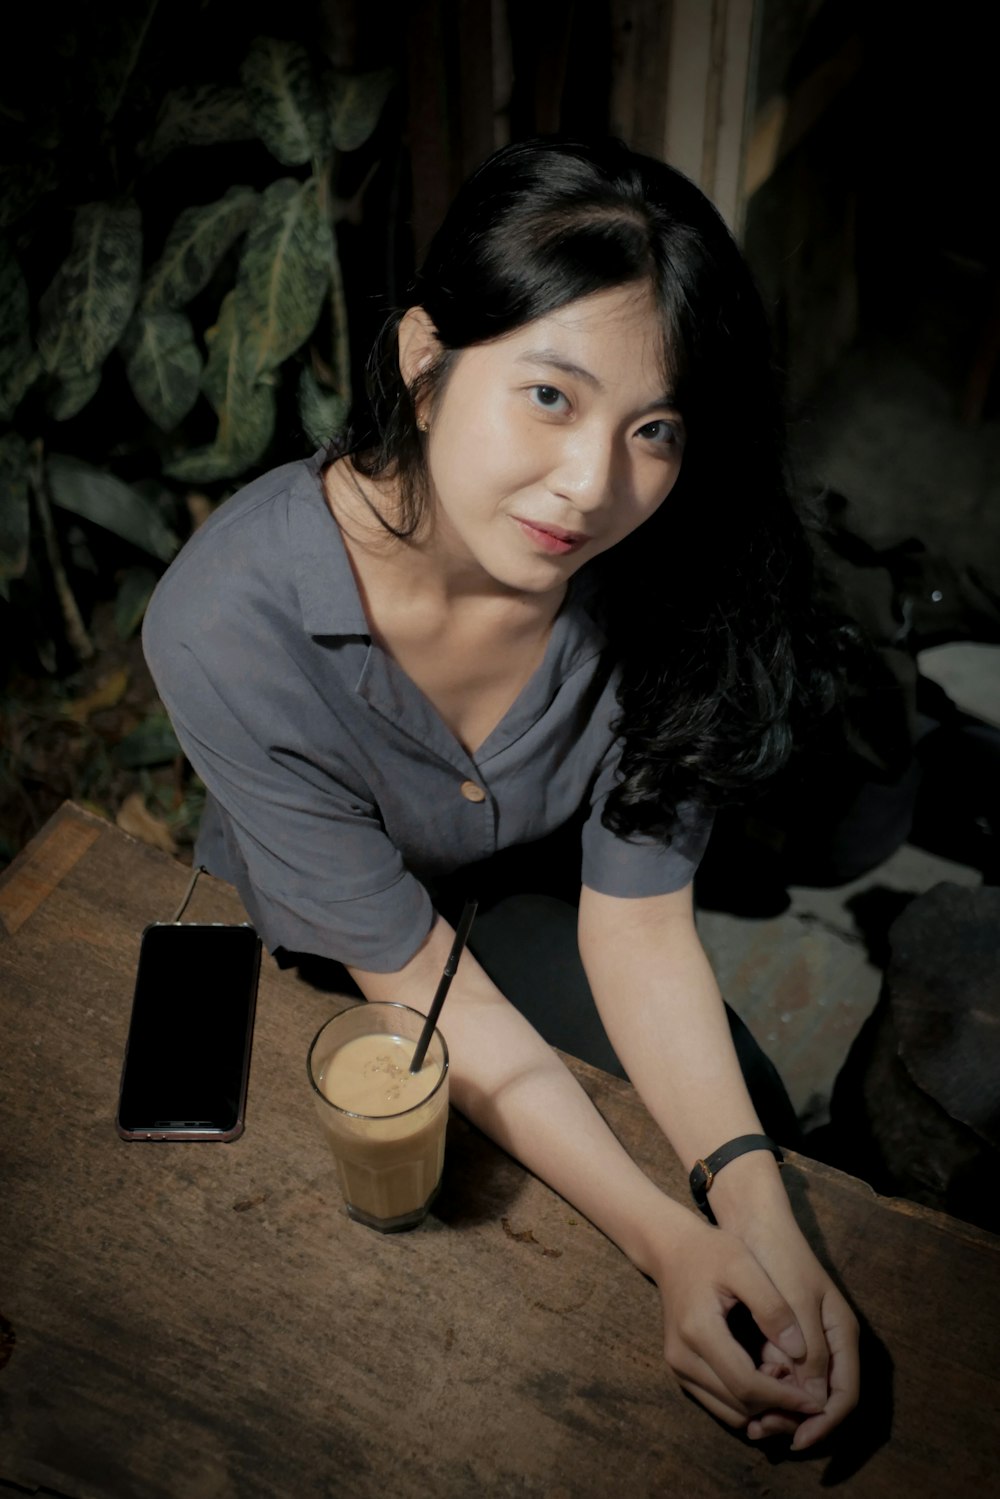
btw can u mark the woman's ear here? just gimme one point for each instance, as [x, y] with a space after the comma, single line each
[418, 343]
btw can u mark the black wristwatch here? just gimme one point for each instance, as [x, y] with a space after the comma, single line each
[704, 1172]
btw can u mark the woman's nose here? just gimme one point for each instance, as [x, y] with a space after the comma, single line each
[585, 471]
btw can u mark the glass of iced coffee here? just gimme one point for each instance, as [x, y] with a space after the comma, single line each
[384, 1124]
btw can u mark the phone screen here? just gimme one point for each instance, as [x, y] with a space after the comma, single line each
[188, 1053]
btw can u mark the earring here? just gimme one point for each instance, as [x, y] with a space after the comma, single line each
[421, 424]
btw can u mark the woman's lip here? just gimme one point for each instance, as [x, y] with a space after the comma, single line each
[551, 538]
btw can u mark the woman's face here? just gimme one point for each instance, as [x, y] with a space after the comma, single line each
[550, 445]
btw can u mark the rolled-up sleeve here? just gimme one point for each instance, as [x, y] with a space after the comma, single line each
[637, 866]
[312, 862]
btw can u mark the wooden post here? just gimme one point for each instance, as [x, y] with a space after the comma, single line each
[682, 88]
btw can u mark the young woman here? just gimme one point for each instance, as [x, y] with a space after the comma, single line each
[548, 594]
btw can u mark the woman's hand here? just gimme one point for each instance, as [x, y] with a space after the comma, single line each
[706, 1273]
[828, 1369]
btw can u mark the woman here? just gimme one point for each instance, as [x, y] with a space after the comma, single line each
[552, 584]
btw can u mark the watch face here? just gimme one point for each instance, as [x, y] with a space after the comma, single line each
[699, 1180]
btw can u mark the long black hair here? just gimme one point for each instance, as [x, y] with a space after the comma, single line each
[707, 605]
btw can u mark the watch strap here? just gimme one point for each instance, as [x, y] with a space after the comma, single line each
[704, 1171]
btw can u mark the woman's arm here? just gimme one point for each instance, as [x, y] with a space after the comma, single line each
[510, 1083]
[663, 1012]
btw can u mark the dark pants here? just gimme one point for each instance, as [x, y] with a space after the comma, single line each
[527, 944]
[525, 938]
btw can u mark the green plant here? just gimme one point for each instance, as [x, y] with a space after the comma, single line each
[156, 351]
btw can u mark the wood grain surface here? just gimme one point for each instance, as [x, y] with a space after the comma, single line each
[203, 1321]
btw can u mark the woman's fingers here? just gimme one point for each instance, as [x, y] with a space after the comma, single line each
[756, 1392]
[722, 1409]
[772, 1359]
[716, 1352]
[771, 1312]
[814, 1428]
[841, 1331]
[813, 1371]
[840, 1380]
[772, 1424]
[703, 1383]
[712, 1394]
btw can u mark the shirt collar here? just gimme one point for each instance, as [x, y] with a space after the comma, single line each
[324, 578]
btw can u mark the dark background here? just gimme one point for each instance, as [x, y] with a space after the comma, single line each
[874, 240]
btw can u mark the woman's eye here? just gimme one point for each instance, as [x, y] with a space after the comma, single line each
[661, 432]
[547, 397]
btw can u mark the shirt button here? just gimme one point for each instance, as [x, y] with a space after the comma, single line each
[472, 792]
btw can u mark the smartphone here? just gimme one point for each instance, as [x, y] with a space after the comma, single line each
[187, 1060]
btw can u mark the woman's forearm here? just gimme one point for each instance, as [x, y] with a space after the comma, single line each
[661, 1006]
[514, 1087]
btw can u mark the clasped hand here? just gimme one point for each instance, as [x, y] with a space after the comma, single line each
[806, 1379]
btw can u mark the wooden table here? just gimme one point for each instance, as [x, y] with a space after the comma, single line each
[204, 1321]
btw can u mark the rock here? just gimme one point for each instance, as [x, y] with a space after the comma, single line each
[916, 1107]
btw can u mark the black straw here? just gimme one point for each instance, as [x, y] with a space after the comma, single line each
[461, 937]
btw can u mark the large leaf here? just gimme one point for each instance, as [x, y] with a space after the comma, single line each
[72, 388]
[15, 518]
[134, 593]
[195, 245]
[163, 365]
[201, 115]
[209, 464]
[284, 271]
[15, 332]
[286, 100]
[99, 497]
[322, 412]
[90, 301]
[226, 373]
[355, 101]
[22, 377]
[245, 407]
[21, 186]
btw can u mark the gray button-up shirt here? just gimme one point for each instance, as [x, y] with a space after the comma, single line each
[337, 790]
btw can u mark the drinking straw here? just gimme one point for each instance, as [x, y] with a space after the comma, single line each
[461, 936]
